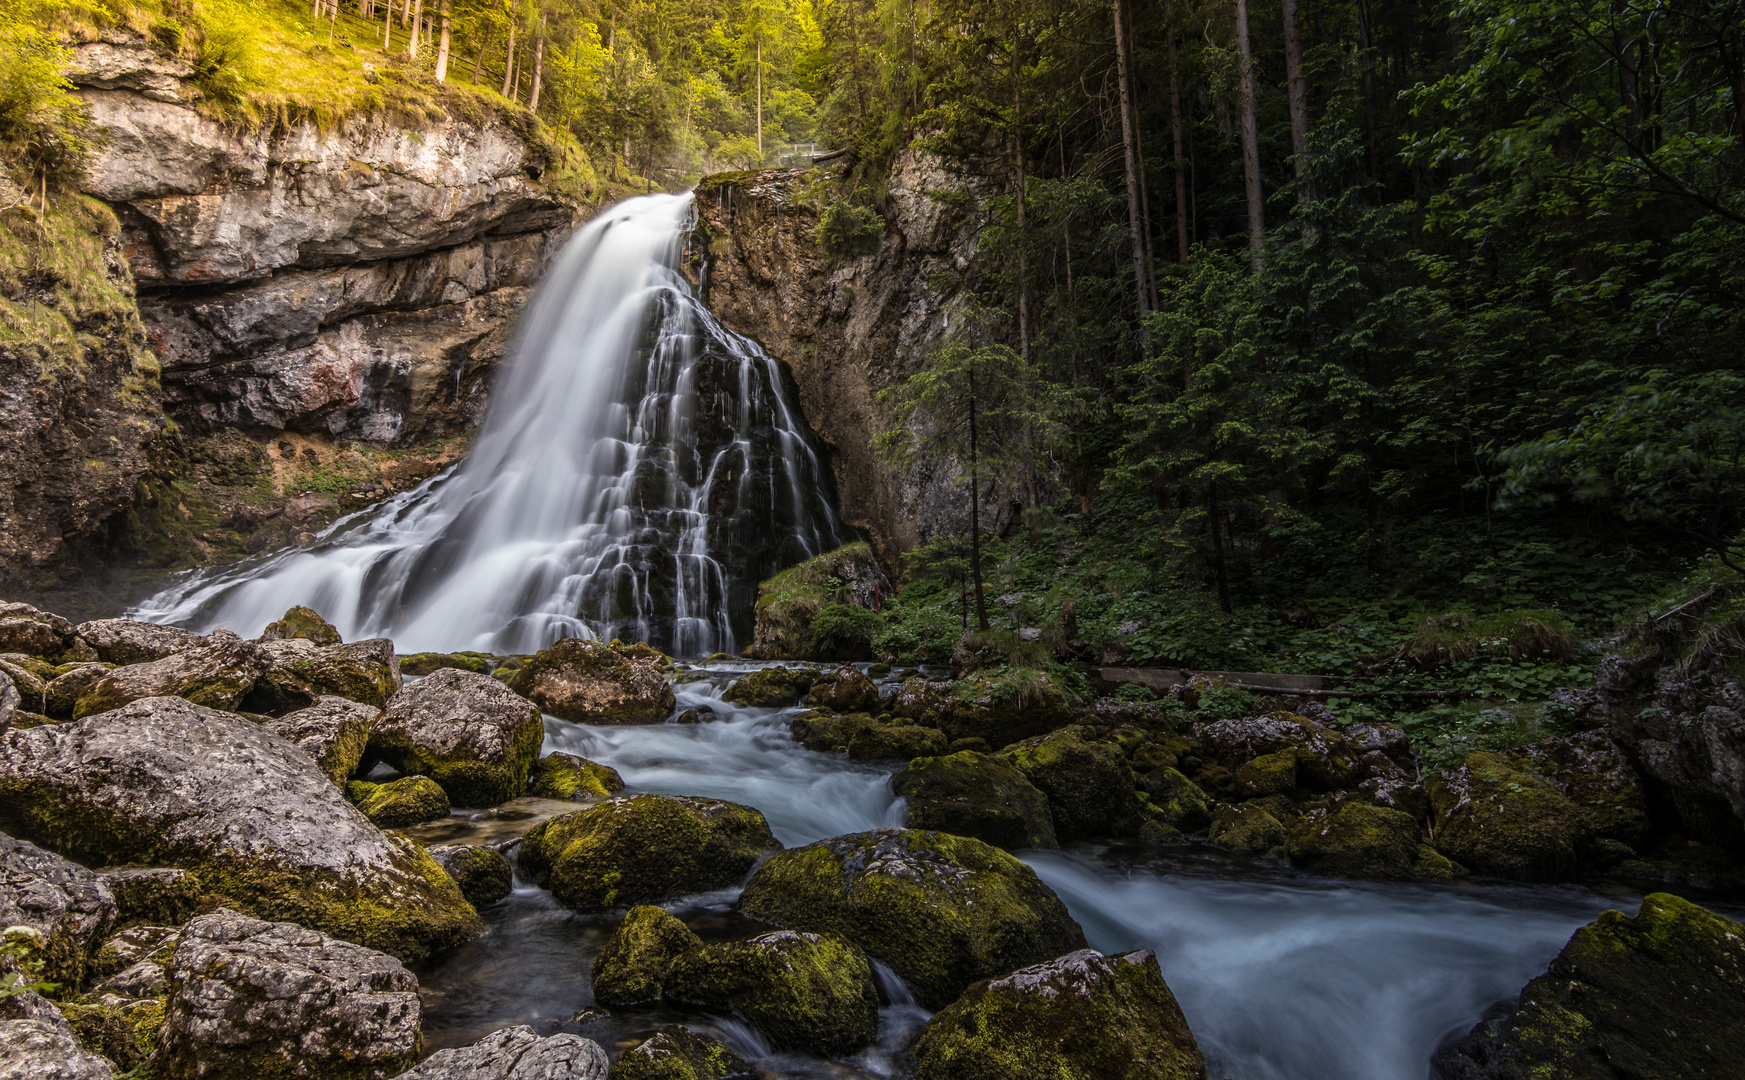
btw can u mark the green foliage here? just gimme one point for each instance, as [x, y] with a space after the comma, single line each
[841, 632]
[22, 946]
[43, 125]
[846, 229]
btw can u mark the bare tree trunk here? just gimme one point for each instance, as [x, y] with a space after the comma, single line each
[442, 45]
[479, 59]
[538, 70]
[1125, 78]
[975, 512]
[1018, 172]
[509, 57]
[1175, 124]
[388, 28]
[1250, 143]
[760, 97]
[417, 25]
[1298, 85]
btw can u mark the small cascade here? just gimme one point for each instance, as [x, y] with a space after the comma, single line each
[642, 468]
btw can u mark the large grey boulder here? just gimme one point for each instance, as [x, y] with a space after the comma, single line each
[464, 730]
[69, 905]
[217, 673]
[164, 781]
[37, 1043]
[28, 630]
[254, 998]
[8, 701]
[516, 1053]
[298, 671]
[124, 641]
[590, 682]
[333, 732]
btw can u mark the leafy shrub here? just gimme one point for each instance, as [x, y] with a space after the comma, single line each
[42, 123]
[841, 632]
[1224, 702]
[1134, 692]
[226, 59]
[848, 229]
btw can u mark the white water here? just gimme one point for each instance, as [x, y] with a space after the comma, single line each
[641, 468]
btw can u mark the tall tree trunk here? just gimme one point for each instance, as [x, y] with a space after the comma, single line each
[442, 45]
[1250, 143]
[538, 70]
[509, 55]
[1298, 85]
[388, 29]
[1018, 172]
[479, 59]
[1368, 65]
[760, 97]
[1175, 125]
[1128, 144]
[417, 24]
[975, 512]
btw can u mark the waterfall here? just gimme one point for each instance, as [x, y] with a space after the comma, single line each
[641, 468]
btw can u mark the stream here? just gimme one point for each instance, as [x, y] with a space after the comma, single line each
[1282, 976]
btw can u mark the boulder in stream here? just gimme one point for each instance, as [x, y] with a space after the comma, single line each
[483, 873]
[941, 910]
[631, 967]
[1089, 785]
[166, 782]
[825, 733]
[558, 775]
[802, 991]
[62, 693]
[398, 803]
[1497, 819]
[1177, 801]
[895, 742]
[300, 671]
[333, 732]
[642, 849]
[1249, 828]
[464, 730]
[517, 1053]
[971, 794]
[1324, 760]
[845, 690]
[70, 906]
[590, 682]
[217, 673]
[772, 688]
[677, 1053]
[1356, 840]
[1083, 1016]
[301, 622]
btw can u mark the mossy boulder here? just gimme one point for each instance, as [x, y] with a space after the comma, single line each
[590, 682]
[820, 731]
[1324, 759]
[153, 895]
[304, 623]
[642, 849]
[165, 782]
[802, 991]
[1594, 773]
[398, 803]
[1001, 709]
[333, 732]
[789, 604]
[941, 910]
[299, 671]
[1660, 996]
[70, 906]
[1177, 801]
[123, 641]
[464, 730]
[971, 794]
[1356, 840]
[772, 688]
[517, 1053]
[25, 629]
[483, 873]
[60, 696]
[1268, 774]
[1496, 819]
[1083, 1016]
[565, 776]
[218, 673]
[1247, 828]
[895, 742]
[845, 690]
[1089, 785]
[631, 967]
[426, 663]
[677, 1053]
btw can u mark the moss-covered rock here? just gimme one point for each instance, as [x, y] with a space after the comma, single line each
[123, 641]
[1497, 819]
[941, 910]
[483, 873]
[1089, 785]
[304, 623]
[465, 731]
[642, 849]
[803, 991]
[820, 731]
[1356, 840]
[399, 803]
[971, 794]
[845, 690]
[218, 674]
[153, 895]
[590, 682]
[1432, 865]
[565, 776]
[1593, 772]
[25, 629]
[789, 604]
[895, 742]
[1247, 828]
[300, 671]
[1081, 1017]
[1657, 997]
[334, 732]
[71, 907]
[1268, 774]
[425, 663]
[1002, 709]
[677, 1053]
[1325, 760]
[1177, 801]
[631, 967]
[62, 693]
[772, 688]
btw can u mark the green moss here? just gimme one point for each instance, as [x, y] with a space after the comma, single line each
[810, 992]
[789, 603]
[675, 1053]
[302, 622]
[772, 687]
[1268, 774]
[424, 663]
[1432, 865]
[1178, 801]
[1247, 828]
[482, 873]
[565, 776]
[631, 967]
[1089, 785]
[898, 742]
[126, 1035]
[971, 794]
[1356, 840]
[61, 696]
[818, 730]
[398, 803]
[1496, 819]
[643, 849]
[467, 781]
[845, 690]
[841, 632]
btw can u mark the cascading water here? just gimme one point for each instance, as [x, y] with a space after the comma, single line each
[641, 469]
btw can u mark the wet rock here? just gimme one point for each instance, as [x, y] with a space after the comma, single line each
[643, 849]
[824, 733]
[1083, 1016]
[631, 967]
[516, 1053]
[24, 629]
[676, 1053]
[333, 732]
[483, 873]
[61, 695]
[162, 895]
[845, 690]
[772, 687]
[1089, 785]
[1386, 739]
[1325, 760]
[123, 641]
[464, 730]
[398, 803]
[1356, 840]
[256, 998]
[40, 1045]
[304, 623]
[971, 794]
[1658, 995]
[1177, 801]
[166, 782]
[1002, 711]
[899, 742]
[428, 662]
[941, 910]
[1593, 773]
[565, 776]
[811, 992]
[300, 671]
[1247, 828]
[217, 673]
[69, 905]
[1496, 819]
[589, 682]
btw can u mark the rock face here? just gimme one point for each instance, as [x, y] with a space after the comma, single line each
[69, 905]
[803, 991]
[971, 794]
[642, 849]
[631, 967]
[941, 910]
[333, 732]
[516, 1053]
[1656, 996]
[464, 730]
[251, 998]
[164, 781]
[676, 1053]
[1082, 1017]
[39, 1044]
[218, 673]
[588, 682]
[1089, 785]
[123, 641]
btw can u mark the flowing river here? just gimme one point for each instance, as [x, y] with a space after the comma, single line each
[1283, 976]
